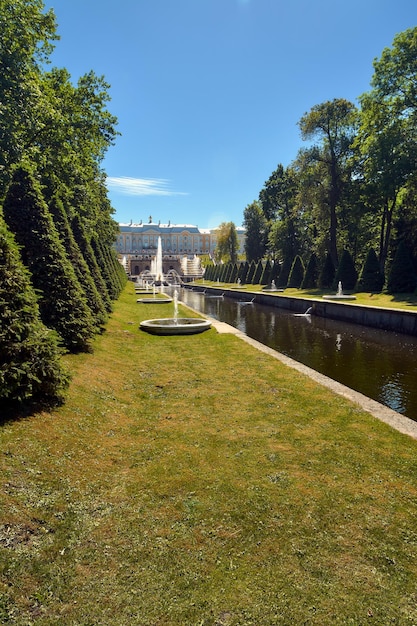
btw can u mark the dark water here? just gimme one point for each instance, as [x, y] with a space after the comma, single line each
[379, 364]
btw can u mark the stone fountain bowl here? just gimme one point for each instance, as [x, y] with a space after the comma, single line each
[175, 326]
[152, 300]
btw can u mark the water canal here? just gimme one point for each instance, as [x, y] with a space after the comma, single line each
[380, 364]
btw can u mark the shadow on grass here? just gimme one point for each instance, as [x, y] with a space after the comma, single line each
[16, 411]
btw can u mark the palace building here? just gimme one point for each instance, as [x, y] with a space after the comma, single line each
[182, 246]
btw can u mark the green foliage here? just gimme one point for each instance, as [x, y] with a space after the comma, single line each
[370, 279]
[234, 273]
[296, 275]
[89, 256]
[266, 274]
[311, 275]
[282, 280]
[346, 272]
[79, 264]
[402, 277]
[227, 242]
[62, 304]
[250, 273]
[256, 279]
[327, 274]
[243, 272]
[256, 227]
[30, 366]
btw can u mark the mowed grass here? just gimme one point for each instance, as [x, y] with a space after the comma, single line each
[197, 481]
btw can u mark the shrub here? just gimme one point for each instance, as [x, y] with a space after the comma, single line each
[402, 277]
[311, 274]
[346, 272]
[62, 304]
[30, 366]
[296, 273]
[284, 273]
[371, 279]
[327, 274]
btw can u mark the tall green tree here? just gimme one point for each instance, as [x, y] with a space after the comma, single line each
[227, 242]
[30, 366]
[278, 200]
[256, 226]
[387, 136]
[26, 36]
[62, 303]
[82, 271]
[326, 164]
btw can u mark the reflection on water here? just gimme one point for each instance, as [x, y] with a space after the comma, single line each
[379, 364]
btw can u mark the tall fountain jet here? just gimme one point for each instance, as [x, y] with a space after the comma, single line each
[158, 262]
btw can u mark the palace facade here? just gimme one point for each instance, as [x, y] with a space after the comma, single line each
[181, 245]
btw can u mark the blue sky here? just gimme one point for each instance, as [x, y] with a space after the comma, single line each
[208, 93]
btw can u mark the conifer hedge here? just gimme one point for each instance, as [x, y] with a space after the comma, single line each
[30, 365]
[62, 303]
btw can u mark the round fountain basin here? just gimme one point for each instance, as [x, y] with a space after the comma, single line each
[175, 326]
[339, 297]
[154, 300]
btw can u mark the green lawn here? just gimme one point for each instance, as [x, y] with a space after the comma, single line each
[196, 481]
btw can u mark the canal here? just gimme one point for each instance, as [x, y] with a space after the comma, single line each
[380, 364]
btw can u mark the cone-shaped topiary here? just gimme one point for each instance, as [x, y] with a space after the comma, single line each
[79, 264]
[311, 274]
[296, 275]
[346, 272]
[88, 254]
[284, 273]
[371, 279]
[402, 277]
[251, 272]
[256, 279]
[326, 277]
[30, 366]
[243, 272]
[62, 304]
[266, 274]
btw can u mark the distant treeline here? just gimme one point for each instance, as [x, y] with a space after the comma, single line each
[354, 187]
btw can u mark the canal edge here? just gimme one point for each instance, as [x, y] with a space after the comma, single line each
[399, 422]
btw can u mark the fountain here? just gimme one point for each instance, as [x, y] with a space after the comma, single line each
[339, 295]
[272, 287]
[176, 325]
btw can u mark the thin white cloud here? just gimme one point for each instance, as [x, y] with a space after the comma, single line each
[141, 186]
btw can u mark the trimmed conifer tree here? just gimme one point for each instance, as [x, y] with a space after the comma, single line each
[94, 300]
[402, 277]
[327, 274]
[233, 274]
[105, 269]
[311, 275]
[284, 273]
[30, 366]
[251, 272]
[266, 274]
[258, 273]
[243, 271]
[296, 275]
[371, 279]
[62, 304]
[88, 254]
[346, 272]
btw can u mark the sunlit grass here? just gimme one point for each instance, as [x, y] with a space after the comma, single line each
[196, 481]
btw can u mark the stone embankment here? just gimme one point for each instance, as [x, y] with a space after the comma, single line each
[397, 320]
